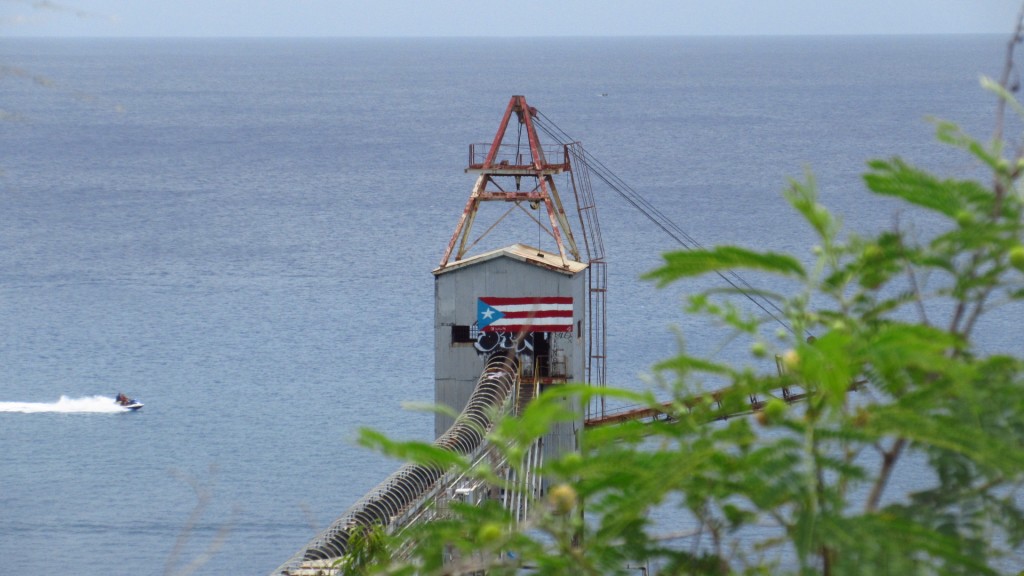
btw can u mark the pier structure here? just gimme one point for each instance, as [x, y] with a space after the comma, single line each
[528, 301]
[511, 321]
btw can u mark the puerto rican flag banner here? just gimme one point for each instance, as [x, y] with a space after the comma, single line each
[527, 314]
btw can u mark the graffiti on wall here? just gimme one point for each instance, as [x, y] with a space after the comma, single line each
[490, 342]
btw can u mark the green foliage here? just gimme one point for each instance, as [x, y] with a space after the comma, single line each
[893, 384]
[369, 550]
[426, 454]
[697, 262]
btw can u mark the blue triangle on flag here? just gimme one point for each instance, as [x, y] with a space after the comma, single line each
[486, 314]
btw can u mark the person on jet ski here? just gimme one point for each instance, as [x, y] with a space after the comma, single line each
[122, 399]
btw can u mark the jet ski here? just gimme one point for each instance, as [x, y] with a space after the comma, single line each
[129, 403]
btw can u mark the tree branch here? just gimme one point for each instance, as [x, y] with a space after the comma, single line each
[889, 459]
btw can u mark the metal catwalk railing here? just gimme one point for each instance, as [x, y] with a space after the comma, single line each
[417, 493]
[525, 484]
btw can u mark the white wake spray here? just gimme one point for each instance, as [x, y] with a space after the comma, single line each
[94, 404]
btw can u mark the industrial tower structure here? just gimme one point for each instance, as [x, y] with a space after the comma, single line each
[518, 299]
[509, 323]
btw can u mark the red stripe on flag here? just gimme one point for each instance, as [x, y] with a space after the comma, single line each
[528, 328]
[499, 301]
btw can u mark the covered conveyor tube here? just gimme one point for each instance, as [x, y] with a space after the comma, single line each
[412, 483]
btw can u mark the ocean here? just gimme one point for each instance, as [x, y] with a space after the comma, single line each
[240, 234]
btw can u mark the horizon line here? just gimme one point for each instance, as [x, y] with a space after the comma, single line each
[481, 37]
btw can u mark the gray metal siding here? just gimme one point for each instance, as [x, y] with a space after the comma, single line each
[458, 366]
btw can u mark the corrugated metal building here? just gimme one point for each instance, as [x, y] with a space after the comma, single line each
[513, 298]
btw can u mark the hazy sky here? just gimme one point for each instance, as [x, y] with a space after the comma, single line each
[501, 18]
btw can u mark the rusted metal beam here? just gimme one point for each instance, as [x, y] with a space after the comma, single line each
[544, 192]
[667, 410]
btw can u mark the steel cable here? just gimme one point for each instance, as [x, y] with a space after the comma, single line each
[659, 219]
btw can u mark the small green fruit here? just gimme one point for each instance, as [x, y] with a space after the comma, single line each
[489, 532]
[572, 460]
[791, 359]
[872, 253]
[1017, 257]
[562, 499]
[964, 218]
[775, 409]
[772, 412]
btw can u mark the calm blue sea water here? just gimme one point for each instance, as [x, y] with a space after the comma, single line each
[241, 233]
